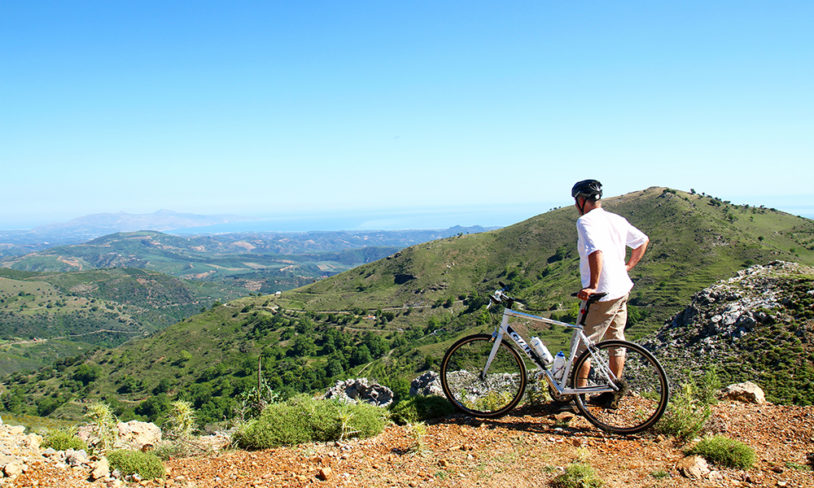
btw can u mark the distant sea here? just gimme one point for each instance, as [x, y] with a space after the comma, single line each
[440, 218]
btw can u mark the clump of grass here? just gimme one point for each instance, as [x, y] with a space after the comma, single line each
[172, 449]
[303, 419]
[418, 431]
[146, 464]
[708, 386]
[724, 451]
[798, 466]
[61, 440]
[577, 475]
[686, 416]
[537, 394]
[253, 401]
[181, 448]
[583, 455]
[421, 408]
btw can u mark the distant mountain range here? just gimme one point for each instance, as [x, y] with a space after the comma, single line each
[265, 262]
[82, 229]
[107, 223]
[89, 227]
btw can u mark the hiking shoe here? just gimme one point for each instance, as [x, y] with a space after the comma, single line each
[605, 400]
[560, 407]
[610, 399]
[623, 387]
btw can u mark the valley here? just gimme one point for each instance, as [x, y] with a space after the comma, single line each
[73, 298]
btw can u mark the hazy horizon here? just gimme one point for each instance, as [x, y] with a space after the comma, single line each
[438, 217]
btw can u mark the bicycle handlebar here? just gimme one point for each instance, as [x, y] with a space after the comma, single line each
[500, 297]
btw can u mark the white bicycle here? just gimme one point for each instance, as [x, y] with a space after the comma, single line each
[484, 375]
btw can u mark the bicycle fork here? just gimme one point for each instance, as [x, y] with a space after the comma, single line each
[497, 338]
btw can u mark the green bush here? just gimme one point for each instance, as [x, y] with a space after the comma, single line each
[707, 386]
[60, 440]
[145, 464]
[420, 408]
[303, 419]
[577, 475]
[725, 452]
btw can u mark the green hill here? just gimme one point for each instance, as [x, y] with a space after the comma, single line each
[695, 240]
[392, 318]
[46, 316]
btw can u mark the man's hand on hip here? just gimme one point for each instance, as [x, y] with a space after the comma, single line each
[586, 293]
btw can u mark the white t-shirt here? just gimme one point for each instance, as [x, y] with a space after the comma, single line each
[599, 230]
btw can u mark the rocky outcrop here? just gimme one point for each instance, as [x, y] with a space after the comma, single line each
[139, 436]
[733, 319]
[360, 390]
[134, 435]
[746, 392]
[18, 450]
[427, 384]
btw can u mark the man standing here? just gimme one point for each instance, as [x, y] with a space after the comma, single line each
[602, 243]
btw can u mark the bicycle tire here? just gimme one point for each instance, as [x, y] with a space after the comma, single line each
[643, 400]
[496, 394]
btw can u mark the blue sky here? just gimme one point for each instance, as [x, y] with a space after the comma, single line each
[488, 109]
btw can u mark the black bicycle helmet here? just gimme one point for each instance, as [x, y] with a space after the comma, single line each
[590, 189]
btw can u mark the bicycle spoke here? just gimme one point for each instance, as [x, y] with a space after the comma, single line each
[640, 397]
[465, 385]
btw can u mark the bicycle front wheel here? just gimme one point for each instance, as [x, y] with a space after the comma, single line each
[483, 393]
[642, 393]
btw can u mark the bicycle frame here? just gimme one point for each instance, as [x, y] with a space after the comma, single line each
[504, 329]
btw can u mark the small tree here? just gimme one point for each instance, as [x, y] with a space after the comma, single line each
[86, 373]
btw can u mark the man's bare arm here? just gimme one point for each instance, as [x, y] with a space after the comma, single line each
[636, 255]
[595, 262]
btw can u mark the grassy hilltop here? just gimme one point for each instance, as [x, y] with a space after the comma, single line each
[392, 318]
[694, 240]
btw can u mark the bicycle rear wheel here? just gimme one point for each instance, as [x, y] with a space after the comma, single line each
[483, 394]
[643, 394]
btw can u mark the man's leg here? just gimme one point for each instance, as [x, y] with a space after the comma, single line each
[616, 331]
[605, 320]
[617, 365]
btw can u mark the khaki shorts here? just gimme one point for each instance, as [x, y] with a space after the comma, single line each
[605, 321]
